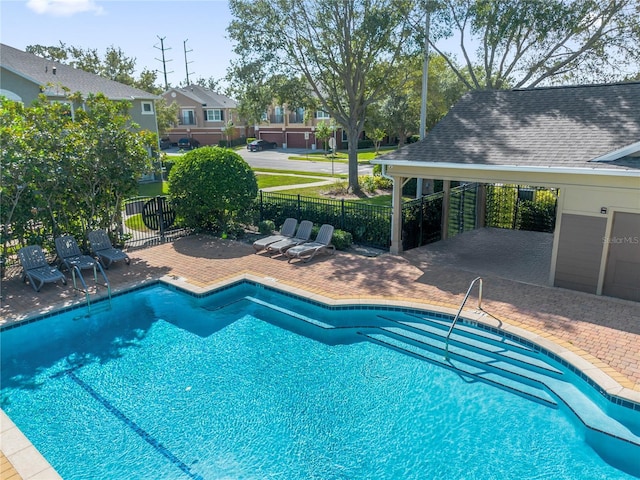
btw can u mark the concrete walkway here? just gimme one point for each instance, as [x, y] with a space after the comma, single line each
[322, 181]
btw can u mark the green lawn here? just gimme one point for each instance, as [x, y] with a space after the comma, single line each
[153, 189]
[266, 181]
[364, 156]
[134, 222]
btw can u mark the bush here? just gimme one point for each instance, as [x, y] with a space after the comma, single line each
[537, 217]
[342, 240]
[368, 183]
[266, 227]
[212, 188]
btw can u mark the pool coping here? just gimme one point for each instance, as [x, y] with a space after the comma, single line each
[30, 464]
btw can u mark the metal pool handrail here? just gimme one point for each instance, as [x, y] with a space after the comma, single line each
[453, 324]
[76, 270]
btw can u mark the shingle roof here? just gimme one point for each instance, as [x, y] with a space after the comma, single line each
[206, 97]
[41, 71]
[543, 127]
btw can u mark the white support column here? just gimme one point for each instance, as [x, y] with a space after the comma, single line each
[396, 217]
[446, 201]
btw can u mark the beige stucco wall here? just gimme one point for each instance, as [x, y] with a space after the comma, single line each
[590, 200]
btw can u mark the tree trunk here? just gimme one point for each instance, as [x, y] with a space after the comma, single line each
[354, 186]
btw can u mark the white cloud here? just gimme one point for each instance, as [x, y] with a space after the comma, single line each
[64, 8]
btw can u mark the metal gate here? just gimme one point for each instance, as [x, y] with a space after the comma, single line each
[149, 221]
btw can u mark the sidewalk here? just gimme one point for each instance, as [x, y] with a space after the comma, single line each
[323, 181]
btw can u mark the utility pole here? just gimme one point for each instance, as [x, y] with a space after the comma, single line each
[425, 74]
[164, 61]
[423, 105]
[186, 63]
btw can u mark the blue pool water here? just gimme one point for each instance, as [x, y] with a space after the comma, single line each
[169, 386]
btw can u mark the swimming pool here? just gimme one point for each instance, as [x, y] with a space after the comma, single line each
[251, 383]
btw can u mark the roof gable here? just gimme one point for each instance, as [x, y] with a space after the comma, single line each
[42, 72]
[205, 97]
[543, 127]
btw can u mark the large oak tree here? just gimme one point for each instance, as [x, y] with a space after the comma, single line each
[528, 43]
[345, 50]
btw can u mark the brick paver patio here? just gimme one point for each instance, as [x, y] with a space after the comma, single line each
[603, 330]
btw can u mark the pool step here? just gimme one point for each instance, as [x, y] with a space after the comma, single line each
[482, 373]
[529, 379]
[463, 327]
[289, 313]
[486, 348]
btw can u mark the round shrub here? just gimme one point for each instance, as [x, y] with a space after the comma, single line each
[341, 240]
[266, 227]
[212, 187]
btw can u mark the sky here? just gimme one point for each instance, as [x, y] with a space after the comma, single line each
[133, 26]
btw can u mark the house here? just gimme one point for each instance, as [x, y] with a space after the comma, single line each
[24, 76]
[204, 116]
[582, 140]
[290, 129]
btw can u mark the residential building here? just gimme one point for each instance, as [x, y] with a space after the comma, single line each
[24, 76]
[204, 116]
[291, 128]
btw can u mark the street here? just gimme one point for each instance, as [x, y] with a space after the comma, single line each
[278, 159]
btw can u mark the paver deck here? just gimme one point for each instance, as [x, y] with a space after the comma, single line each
[602, 330]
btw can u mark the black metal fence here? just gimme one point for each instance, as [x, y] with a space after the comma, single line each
[149, 221]
[521, 207]
[368, 224]
[422, 221]
[507, 206]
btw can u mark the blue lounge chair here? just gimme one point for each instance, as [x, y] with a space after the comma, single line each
[104, 251]
[307, 251]
[288, 230]
[302, 235]
[73, 259]
[36, 269]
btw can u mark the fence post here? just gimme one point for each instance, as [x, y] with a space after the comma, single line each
[299, 208]
[342, 214]
[261, 208]
[160, 214]
[421, 236]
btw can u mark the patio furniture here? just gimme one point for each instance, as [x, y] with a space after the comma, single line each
[307, 251]
[36, 269]
[104, 251]
[75, 261]
[288, 230]
[302, 235]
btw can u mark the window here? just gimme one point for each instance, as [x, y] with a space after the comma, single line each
[188, 117]
[264, 117]
[321, 114]
[278, 115]
[213, 115]
[147, 108]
